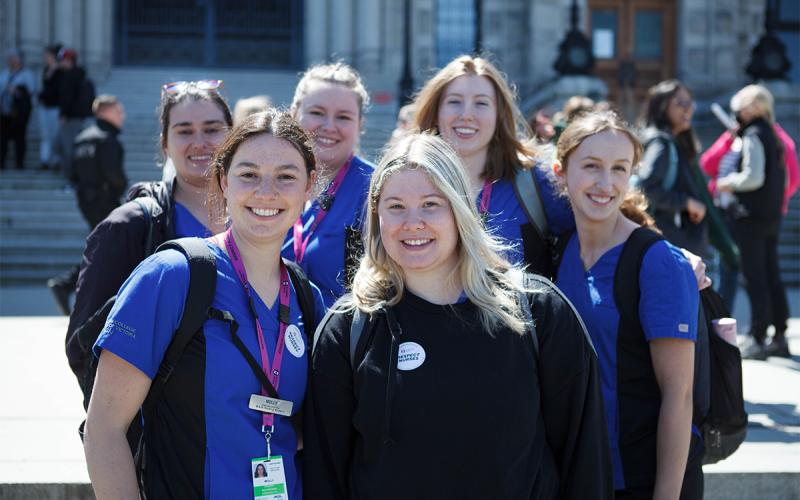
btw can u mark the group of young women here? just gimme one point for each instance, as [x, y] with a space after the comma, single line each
[447, 371]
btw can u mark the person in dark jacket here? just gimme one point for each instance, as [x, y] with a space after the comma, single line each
[16, 89]
[99, 179]
[758, 185]
[193, 122]
[665, 173]
[71, 117]
[447, 393]
[97, 171]
[48, 107]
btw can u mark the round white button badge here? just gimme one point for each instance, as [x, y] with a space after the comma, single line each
[410, 356]
[294, 341]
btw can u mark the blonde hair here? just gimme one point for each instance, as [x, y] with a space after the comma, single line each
[338, 73]
[634, 206]
[247, 106]
[488, 279]
[759, 98]
[511, 144]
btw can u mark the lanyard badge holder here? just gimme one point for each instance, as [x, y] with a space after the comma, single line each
[269, 478]
[325, 201]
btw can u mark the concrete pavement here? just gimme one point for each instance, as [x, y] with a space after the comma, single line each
[41, 455]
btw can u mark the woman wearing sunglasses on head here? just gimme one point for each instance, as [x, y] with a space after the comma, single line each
[329, 103]
[471, 105]
[193, 120]
[205, 435]
[443, 391]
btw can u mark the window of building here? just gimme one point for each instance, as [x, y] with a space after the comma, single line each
[455, 29]
[788, 30]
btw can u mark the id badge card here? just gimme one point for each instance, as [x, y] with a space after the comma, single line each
[269, 479]
[266, 404]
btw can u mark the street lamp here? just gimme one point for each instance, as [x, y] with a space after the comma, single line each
[407, 80]
[575, 55]
[768, 60]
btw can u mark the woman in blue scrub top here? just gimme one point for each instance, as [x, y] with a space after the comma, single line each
[193, 120]
[329, 103]
[655, 452]
[261, 176]
[472, 106]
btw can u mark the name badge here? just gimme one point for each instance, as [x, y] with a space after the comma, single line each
[269, 479]
[270, 405]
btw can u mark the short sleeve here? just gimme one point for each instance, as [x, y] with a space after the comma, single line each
[669, 302]
[147, 311]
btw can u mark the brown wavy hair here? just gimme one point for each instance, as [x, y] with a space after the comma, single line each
[278, 124]
[511, 143]
[634, 206]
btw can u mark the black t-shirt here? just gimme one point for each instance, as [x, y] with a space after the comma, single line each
[468, 421]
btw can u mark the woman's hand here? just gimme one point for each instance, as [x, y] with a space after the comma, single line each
[119, 391]
[699, 268]
[696, 210]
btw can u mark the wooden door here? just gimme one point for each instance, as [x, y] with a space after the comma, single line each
[634, 48]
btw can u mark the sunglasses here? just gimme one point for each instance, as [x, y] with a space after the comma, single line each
[684, 104]
[178, 87]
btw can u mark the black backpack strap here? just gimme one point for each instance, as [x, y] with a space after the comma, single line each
[357, 327]
[528, 195]
[151, 210]
[558, 250]
[202, 287]
[626, 276]
[525, 305]
[305, 296]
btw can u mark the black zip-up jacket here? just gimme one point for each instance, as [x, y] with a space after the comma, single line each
[97, 169]
[69, 86]
[479, 418]
[113, 250]
[50, 84]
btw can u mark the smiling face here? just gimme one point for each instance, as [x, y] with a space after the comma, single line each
[467, 115]
[265, 188]
[417, 226]
[680, 111]
[331, 114]
[597, 175]
[195, 130]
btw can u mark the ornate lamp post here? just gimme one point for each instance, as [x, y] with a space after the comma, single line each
[575, 55]
[768, 60]
[406, 80]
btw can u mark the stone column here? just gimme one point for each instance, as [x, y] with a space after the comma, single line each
[341, 28]
[98, 49]
[314, 30]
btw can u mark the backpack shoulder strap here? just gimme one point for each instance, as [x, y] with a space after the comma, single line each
[528, 195]
[357, 327]
[525, 305]
[626, 275]
[305, 296]
[151, 210]
[202, 287]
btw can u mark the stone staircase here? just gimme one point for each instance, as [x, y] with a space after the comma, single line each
[41, 230]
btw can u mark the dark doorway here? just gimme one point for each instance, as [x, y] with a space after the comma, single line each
[210, 33]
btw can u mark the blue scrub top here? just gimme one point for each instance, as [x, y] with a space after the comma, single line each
[187, 225]
[506, 215]
[324, 258]
[140, 326]
[668, 308]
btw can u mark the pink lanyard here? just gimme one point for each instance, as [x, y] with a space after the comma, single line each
[486, 195]
[271, 370]
[325, 200]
